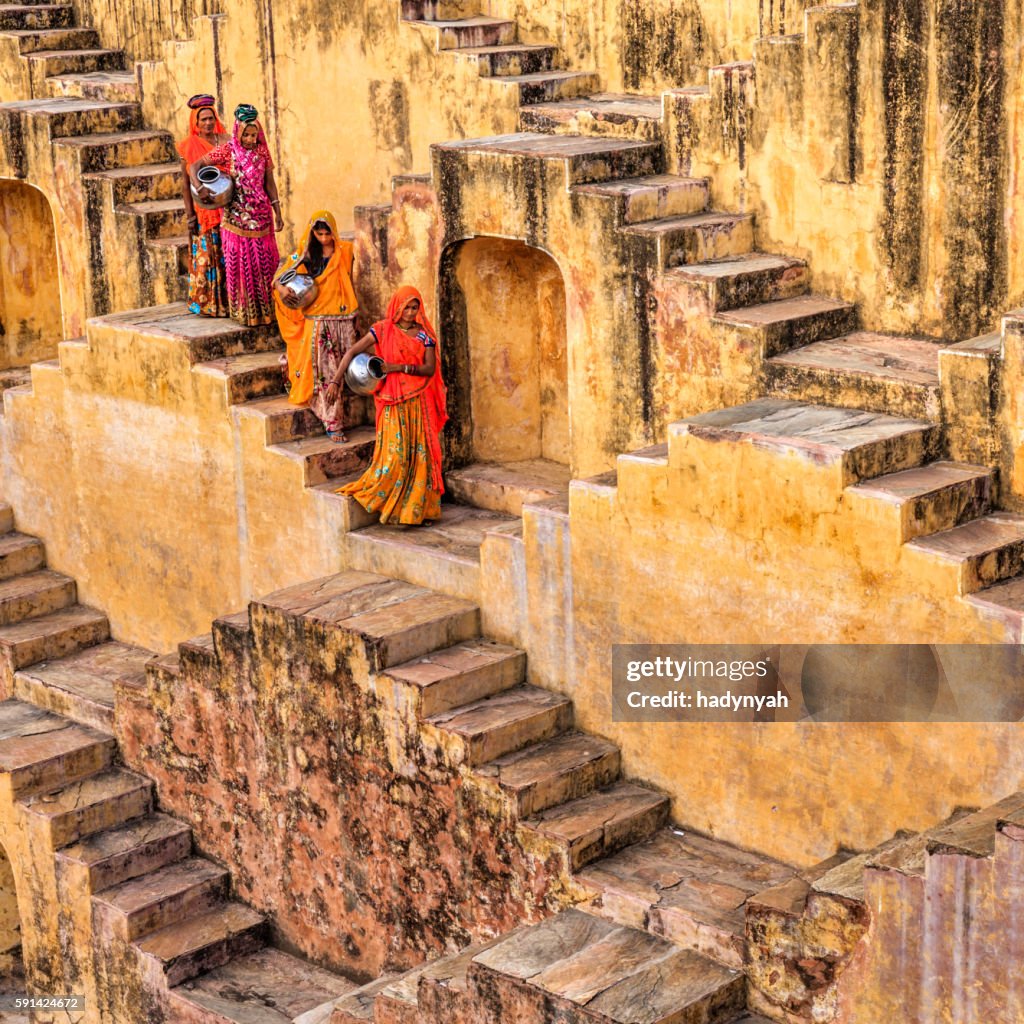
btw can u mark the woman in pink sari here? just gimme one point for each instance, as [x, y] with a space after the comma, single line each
[250, 219]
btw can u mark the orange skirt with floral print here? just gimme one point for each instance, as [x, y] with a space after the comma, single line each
[397, 483]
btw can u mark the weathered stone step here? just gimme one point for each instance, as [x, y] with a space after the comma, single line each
[140, 183]
[45, 64]
[286, 422]
[979, 553]
[688, 888]
[101, 801]
[697, 238]
[863, 370]
[204, 943]
[160, 218]
[1003, 603]
[552, 772]
[931, 498]
[500, 724]
[109, 85]
[601, 114]
[118, 149]
[40, 751]
[116, 855]
[62, 38]
[466, 33]
[10, 379]
[510, 59]
[743, 280]
[34, 593]
[600, 824]
[265, 987]
[547, 86]
[789, 323]
[584, 159]
[444, 555]
[81, 686]
[35, 16]
[174, 252]
[506, 486]
[466, 672]
[357, 1007]
[51, 636]
[248, 376]
[323, 459]
[396, 622]
[974, 835]
[577, 968]
[67, 118]
[169, 894]
[20, 553]
[652, 197]
[860, 444]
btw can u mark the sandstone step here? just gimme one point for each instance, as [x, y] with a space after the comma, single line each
[204, 943]
[547, 86]
[863, 370]
[651, 198]
[198, 656]
[70, 118]
[322, 459]
[140, 183]
[340, 508]
[1003, 603]
[935, 497]
[286, 422]
[160, 898]
[118, 149]
[46, 64]
[173, 252]
[585, 159]
[861, 444]
[111, 86]
[506, 486]
[846, 879]
[265, 987]
[980, 553]
[748, 280]
[35, 593]
[466, 672]
[35, 16]
[790, 323]
[160, 218]
[101, 801]
[396, 622]
[20, 553]
[576, 968]
[81, 686]
[116, 855]
[688, 888]
[206, 338]
[9, 379]
[600, 824]
[549, 773]
[696, 238]
[602, 114]
[357, 1006]
[500, 724]
[248, 376]
[464, 33]
[41, 751]
[444, 555]
[51, 636]
[63, 38]
[974, 835]
[509, 59]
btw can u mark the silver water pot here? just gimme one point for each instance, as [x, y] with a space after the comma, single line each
[219, 183]
[365, 374]
[297, 290]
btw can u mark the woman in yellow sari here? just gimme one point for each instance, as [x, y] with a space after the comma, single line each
[317, 336]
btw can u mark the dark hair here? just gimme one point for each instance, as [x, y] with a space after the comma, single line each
[316, 264]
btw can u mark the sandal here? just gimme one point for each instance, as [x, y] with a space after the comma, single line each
[337, 436]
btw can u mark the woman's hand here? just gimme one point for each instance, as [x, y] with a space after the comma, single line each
[193, 224]
[278, 220]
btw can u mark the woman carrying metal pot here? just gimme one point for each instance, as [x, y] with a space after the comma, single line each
[315, 305]
[207, 291]
[403, 481]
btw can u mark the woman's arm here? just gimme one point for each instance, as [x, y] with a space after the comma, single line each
[424, 369]
[271, 186]
[186, 196]
[194, 169]
[364, 344]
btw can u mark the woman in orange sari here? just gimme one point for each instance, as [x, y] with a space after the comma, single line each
[207, 291]
[317, 336]
[403, 481]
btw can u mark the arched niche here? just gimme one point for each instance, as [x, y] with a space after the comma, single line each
[503, 312]
[30, 307]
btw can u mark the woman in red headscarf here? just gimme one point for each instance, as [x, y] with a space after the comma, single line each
[403, 482]
[207, 292]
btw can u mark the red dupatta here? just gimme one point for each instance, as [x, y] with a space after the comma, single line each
[395, 346]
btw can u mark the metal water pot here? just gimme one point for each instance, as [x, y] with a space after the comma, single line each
[297, 290]
[365, 374]
[219, 183]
